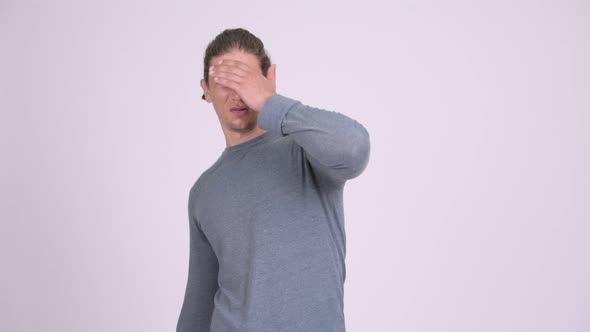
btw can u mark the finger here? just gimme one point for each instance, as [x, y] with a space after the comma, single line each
[229, 69]
[229, 76]
[226, 82]
[234, 63]
[273, 70]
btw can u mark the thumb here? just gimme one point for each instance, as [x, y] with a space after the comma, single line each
[272, 72]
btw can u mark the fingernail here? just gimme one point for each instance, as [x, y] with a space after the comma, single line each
[211, 68]
[220, 61]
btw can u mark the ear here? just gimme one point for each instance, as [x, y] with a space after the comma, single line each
[206, 91]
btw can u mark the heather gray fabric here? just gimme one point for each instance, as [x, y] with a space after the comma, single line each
[266, 220]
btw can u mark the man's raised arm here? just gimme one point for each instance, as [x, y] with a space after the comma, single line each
[336, 145]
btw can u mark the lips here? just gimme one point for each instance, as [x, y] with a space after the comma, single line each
[240, 112]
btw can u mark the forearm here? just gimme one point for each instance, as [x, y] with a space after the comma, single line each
[337, 144]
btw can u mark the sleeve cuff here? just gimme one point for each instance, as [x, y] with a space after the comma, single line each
[274, 111]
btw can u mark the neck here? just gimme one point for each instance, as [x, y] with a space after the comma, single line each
[234, 138]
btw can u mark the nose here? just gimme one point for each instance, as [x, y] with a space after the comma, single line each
[234, 95]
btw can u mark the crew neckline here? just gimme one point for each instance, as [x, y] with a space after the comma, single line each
[249, 143]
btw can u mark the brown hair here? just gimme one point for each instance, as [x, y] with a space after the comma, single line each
[231, 39]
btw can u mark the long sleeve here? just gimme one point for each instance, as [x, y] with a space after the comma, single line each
[336, 146]
[197, 308]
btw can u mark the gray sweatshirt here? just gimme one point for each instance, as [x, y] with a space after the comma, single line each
[266, 221]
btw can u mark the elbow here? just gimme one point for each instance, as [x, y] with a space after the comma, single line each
[359, 153]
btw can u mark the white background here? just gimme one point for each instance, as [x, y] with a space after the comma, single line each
[472, 215]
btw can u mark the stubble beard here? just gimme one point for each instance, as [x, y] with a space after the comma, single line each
[250, 125]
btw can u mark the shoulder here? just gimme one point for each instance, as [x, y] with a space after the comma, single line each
[203, 179]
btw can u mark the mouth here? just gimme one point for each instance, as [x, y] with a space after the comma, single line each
[239, 111]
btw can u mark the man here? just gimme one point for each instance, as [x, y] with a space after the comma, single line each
[266, 220]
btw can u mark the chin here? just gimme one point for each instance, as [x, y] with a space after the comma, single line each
[243, 128]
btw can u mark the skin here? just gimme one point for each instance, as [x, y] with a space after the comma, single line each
[238, 82]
